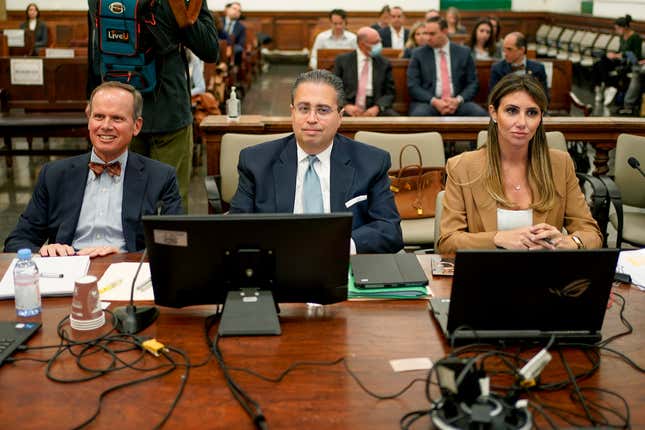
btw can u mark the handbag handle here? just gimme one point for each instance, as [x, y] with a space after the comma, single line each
[409, 145]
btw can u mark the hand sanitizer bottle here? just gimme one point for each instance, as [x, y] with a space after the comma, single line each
[233, 106]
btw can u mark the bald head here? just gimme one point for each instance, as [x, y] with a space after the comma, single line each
[366, 38]
[514, 47]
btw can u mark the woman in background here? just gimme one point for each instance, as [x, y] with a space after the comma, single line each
[497, 37]
[34, 24]
[515, 192]
[628, 53]
[454, 21]
[482, 44]
[418, 37]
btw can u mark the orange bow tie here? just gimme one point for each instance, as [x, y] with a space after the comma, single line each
[517, 67]
[113, 169]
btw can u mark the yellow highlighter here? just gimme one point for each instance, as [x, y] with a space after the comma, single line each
[110, 286]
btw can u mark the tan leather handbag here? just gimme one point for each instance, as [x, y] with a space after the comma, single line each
[416, 187]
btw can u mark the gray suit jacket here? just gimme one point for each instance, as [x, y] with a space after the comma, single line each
[422, 73]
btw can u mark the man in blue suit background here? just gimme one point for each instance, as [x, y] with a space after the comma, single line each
[316, 170]
[92, 204]
[441, 76]
[515, 61]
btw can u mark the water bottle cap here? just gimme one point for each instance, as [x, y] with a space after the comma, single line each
[24, 254]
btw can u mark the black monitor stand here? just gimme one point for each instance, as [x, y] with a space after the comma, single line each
[249, 309]
[249, 312]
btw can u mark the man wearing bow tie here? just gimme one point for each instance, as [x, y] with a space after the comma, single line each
[515, 61]
[92, 204]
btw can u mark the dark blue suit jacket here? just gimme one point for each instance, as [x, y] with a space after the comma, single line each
[503, 68]
[268, 184]
[386, 36]
[236, 36]
[53, 211]
[422, 73]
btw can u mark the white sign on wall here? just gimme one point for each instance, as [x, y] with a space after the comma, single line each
[15, 38]
[27, 71]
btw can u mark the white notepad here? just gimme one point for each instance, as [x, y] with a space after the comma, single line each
[72, 268]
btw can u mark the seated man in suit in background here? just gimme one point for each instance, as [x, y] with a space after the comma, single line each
[515, 61]
[395, 35]
[234, 30]
[441, 76]
[92, 204]
[367, 77]
[316, 170]
[383, 19]
[337, 37]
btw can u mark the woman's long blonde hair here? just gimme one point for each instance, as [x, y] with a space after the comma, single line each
[539, 161]
[411, 42]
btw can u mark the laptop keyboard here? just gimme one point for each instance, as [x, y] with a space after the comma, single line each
[14, 334]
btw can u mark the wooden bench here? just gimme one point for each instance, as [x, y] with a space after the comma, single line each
[600, 132]
[55, 109]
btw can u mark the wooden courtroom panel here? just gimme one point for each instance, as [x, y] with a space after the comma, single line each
[64, 89]
[601, 132]
[366, 333]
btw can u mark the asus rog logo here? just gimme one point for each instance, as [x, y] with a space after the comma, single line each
[574, 289]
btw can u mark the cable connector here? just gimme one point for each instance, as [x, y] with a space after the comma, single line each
[534, 367]
[153, 346]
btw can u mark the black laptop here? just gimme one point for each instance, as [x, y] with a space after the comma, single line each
[522, 295]
[387, 271]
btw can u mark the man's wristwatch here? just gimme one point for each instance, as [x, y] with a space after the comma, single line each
[578, 242]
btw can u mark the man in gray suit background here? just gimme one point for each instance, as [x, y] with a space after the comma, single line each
[442, 79]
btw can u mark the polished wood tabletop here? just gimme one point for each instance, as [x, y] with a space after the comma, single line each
[367, 333]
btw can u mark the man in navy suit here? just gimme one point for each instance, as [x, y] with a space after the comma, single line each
[515, 61]
[235, 30]
[395, 35]
[441, 76]
[316, 170]
[92, 204]
[376, 96]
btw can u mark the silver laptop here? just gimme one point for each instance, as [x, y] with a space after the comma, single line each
[522, 295]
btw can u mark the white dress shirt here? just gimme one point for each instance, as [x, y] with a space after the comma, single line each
[398, 38]
[360, 60]
[326, 40]
[99, 223]
[437, 58]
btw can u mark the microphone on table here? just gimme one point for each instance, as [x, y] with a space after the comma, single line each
[633, 162]
[132, 319]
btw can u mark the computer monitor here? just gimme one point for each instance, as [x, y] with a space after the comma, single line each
[249, 263]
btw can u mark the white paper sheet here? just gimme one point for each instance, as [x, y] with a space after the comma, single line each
[72, 268]
[633, 264]
[116, 282]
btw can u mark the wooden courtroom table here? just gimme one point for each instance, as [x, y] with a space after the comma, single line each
[601, 132]
[368, 333]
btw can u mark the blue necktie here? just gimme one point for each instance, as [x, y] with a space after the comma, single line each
[312, 199]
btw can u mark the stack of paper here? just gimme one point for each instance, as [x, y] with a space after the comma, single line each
[386, 293]
[50, 268]
[116, 282]
[632, 263]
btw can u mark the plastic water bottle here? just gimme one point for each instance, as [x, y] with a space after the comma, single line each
[233, 106]
[26, 285]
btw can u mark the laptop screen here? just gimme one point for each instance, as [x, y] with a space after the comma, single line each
[545, 290]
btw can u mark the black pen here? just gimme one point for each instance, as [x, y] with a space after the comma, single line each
[51, 275]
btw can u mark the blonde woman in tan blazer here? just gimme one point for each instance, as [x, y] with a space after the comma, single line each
[514, 192]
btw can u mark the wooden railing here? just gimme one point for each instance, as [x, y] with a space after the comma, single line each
[601, 132]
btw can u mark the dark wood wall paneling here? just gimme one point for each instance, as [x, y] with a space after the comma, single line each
[292, 30]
